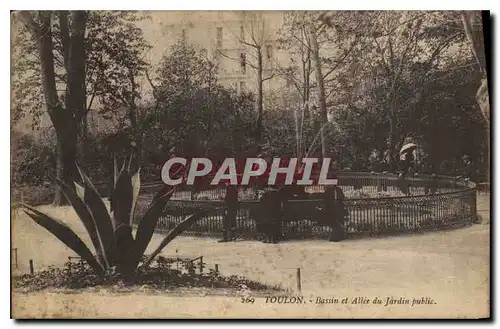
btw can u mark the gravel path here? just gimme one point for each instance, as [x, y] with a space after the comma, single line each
[452, 268]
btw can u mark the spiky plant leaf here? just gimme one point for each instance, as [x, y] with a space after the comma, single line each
[99, 213]
[123, 165]
[136, 187]
[85, 215]
[121, 199]
[80, 190]
[115, 171]
[65, 235]
[130, 162]
[185, 224]
[124, 246]
[166, 189]
[148, 223]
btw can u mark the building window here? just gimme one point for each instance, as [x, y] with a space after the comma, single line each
[242, 86]
[242, 32]
[269, 51]
[243, 62]
[219, 37]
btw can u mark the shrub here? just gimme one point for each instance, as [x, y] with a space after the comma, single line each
[160, 275]
[31, 159]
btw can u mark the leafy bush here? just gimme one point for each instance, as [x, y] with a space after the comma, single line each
[31, 159]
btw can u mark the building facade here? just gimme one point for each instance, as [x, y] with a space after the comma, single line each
[230, 38]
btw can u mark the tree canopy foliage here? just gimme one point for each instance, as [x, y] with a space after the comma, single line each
[386, 76]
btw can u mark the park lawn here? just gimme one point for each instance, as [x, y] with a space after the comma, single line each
[450, 267]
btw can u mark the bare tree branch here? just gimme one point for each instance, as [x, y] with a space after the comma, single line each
[155, 88]
[269, 77]
[30, 23]
[65, 40]
[301, 42]
[381, 52]
[341, 60]
[237, 60]
[89, 107]
[240, 40]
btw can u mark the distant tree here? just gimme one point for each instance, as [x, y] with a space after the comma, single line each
[116, 48]
[325, 51]
[255, 38]
[448, 120]
[412, 78]
[184, 110]
[192, 112]
[31, 158]
[298, 77]
[417, 45]
[404, 49]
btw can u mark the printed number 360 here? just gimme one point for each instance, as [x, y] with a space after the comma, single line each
[247, 300]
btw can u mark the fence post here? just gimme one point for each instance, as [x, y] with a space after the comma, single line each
[201, 265]
[216, 268]
[32, 270]
[231, 204]
[299, 285]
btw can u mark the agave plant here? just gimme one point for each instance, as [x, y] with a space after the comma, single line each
[111, 231]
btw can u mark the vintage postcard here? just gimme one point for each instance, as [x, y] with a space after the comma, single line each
[250, 164]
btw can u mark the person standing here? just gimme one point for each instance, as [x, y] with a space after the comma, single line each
[270, 215]
[469, 169]
[379, 165]
[229, 223]
[384, 169]
[335, 212]
[406, 163]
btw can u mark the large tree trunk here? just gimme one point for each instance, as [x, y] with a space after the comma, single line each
[260, 106]
[43, 36]
[483, 100]
[321, 91]
[306, 93]
[67, 125]
[65, 121]
[474, 35]
[137, 137]
[66, 155]
[76, 66]
[84, 138]
[391, 143]
[68, 54]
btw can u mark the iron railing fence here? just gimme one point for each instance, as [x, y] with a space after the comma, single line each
[374, 202]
